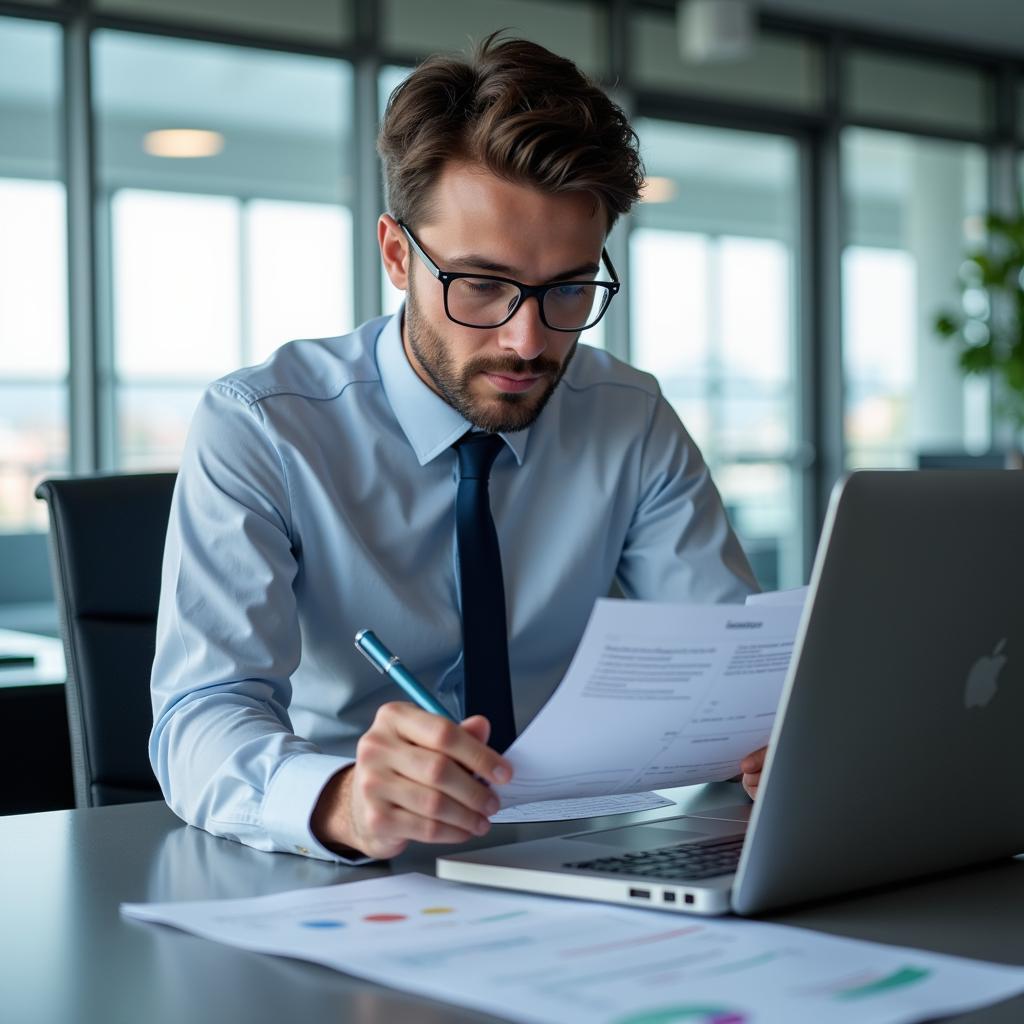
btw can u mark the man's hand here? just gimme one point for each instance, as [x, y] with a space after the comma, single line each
[413, 779]
[751, 767]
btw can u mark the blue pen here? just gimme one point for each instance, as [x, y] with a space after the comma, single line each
[384, 661]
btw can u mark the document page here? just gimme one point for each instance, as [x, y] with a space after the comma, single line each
[797, 596]
[657, 695]
[587, 807]
[550, 961]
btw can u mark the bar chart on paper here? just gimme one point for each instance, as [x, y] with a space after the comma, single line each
[539, 960]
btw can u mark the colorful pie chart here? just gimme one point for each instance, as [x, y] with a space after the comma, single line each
[686, 1015]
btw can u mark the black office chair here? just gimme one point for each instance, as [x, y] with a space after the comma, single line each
[107, 542]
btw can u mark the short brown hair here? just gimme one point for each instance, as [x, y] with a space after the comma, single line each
[521, 111]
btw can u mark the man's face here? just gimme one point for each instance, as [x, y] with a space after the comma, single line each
[499, 378]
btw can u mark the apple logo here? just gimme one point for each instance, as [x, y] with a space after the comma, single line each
[982, 678]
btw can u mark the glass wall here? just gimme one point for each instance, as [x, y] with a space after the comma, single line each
[213, 248]
[33, 277]
[223, 241]
[933, 93]
[576, 29]
[711, 286]
[314, 21]
[387, 81]
[781, 69]
[912, 207]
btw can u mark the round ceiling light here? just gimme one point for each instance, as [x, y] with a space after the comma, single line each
[182, 143]
[658, 190]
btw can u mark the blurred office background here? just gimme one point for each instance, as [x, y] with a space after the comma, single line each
[810, 199]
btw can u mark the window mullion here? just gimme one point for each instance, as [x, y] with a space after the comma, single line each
[80, 173]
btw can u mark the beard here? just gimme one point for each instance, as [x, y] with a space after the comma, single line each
[500, 412]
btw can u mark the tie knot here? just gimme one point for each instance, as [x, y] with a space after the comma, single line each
[477, 453]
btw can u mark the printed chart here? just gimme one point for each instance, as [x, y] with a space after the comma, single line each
[534, 959]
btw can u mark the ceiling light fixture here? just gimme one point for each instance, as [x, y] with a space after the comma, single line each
[183, 143]
[658, 190]
[715, 30]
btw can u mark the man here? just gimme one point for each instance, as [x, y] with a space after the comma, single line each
[334, 488]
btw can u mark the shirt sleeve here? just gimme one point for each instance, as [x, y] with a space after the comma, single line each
[228, 641]
[679, 545]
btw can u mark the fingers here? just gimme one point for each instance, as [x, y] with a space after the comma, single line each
[478, 727]
[434, 804]
[386, 830]
[433, 732]
[388, 810]
[753, 762]
[440, 787]
[422, 777]
[751, 766]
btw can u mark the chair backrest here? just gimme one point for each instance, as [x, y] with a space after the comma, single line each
[106, 541]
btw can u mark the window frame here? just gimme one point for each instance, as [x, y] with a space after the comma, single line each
[820, 454]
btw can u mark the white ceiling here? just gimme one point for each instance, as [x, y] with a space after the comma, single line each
[996, 25]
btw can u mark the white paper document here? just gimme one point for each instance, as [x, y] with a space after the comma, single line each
[587, 807]
[535, 959]
[776, 598]
[657, 695]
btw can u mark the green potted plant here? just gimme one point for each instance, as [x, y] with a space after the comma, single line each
[988, 328]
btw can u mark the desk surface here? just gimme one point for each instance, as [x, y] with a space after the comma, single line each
[48, 669]
[69, 957]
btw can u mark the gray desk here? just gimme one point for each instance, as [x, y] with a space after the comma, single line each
[68, 958]
[34, 746]
[48, 668]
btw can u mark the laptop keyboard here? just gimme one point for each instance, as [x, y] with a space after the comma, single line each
[685, 861]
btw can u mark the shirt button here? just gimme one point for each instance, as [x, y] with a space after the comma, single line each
[302, 849]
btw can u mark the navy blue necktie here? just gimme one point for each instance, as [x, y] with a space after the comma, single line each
[484, 632]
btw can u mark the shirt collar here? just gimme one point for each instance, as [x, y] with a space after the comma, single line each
[429, 423]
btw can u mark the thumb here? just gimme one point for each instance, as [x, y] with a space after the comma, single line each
[478, 727]
[754, 762]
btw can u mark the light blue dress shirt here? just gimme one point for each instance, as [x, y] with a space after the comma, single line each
[316, 497]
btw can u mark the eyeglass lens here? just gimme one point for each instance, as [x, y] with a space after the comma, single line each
[482, 302]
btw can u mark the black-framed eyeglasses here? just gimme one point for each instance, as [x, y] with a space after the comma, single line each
[485, 301]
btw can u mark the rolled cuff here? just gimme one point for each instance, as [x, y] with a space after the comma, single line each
[290, 800]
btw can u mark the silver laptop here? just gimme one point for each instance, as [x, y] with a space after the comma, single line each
[896, 749]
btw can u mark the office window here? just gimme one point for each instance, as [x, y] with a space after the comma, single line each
[782, 69]
[214, 260]
[319, 292]
[939, 94]
[711, 286]
[33, 275]
[389, 79]
[912, 207]
[575, 29]
[316, 21]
